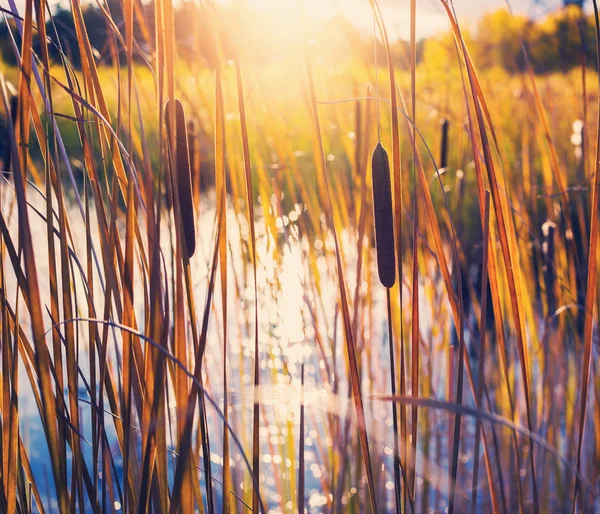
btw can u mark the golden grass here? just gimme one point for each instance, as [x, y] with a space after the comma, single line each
[224, 350]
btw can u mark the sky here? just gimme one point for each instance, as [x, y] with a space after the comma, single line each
[431, 17]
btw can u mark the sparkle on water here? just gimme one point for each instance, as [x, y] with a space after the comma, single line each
[299, 323]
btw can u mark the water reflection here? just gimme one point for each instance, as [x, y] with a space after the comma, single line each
[299, 323]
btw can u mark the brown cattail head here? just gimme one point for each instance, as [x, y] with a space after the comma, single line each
[444, 145]
[181, 175]
[383, 214]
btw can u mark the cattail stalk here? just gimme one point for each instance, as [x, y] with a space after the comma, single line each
[548, 268]
[482, 334]
[444, 145]
[397, 463]
[301, 467]
[386, 266]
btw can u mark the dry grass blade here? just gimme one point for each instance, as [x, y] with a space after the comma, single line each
[92, 79]
[250, 206]
[197, 393]
[8, 149]
[465, 410]
[221, 194]
[444, 145]
[415, 334]
[482, 331]
[128, 299]
[9, 406]
[592, 273]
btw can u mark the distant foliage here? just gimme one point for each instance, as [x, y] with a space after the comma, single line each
[555, 43]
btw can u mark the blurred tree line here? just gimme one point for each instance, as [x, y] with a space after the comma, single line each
[555, 43]
[257, 31]
[62, 37]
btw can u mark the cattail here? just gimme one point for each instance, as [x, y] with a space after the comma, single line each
[460, 184]
[444, 146]
[182, 174]
[548, 229]
[384, 221]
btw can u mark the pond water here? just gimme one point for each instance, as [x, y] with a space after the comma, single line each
[299, 325]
